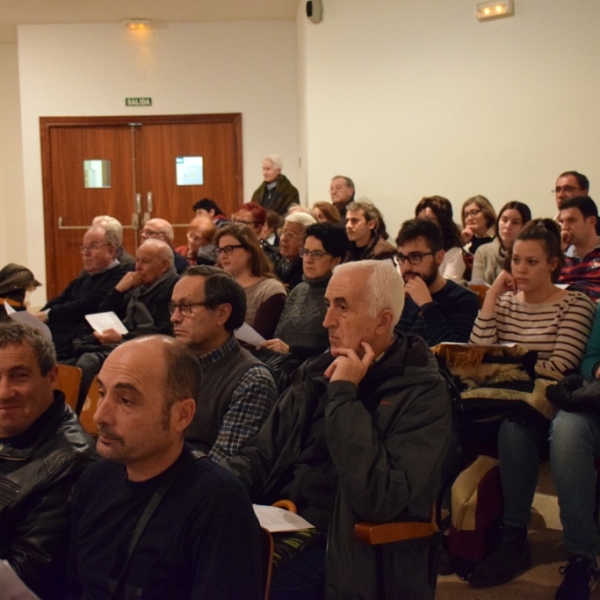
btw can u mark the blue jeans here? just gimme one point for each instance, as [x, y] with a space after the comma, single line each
[574, 443]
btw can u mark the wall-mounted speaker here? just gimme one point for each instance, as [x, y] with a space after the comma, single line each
[314, 10]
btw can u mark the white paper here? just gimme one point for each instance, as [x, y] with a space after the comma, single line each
[100, 322]
[277, 520]
[246, 334]
[22, 316]
[11, 587]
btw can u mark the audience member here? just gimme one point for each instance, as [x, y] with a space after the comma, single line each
[199, 537]
[140, 300]
[109, 222]
[101, 271]
[200, 249]
[324, 212]
[570, 184]
[275, 192]
[365, 232]
[525, 308]
[439, 210]
[344, 455]
[268, 233]
[209, 208]
[291, 238]
[159, 229]
[43, 451]
[578, 218]
[478, 219]
[490, 258]
[437, 309]
[300, 329]
[240, 254]
[238, 391]
[341, 191]
[251, 214]
[15, 282]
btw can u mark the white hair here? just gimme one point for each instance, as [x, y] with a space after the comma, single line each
[276, 160]
[301, 218]
[382, 285]
[109, 222]
[161, 249]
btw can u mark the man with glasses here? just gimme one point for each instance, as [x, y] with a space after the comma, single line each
[435, 308]
[238, 391]
[160, 229]
[341, 191]
[101, 272]
[289, 265]
[569, 185]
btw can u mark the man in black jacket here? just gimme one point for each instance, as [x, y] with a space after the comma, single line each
[43, 451]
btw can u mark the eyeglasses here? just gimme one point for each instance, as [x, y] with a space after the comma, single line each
[242, 222]
[152, 234]
[316, 254]
[414, 258]
[185, 308]
[565, 188]
[282, 233]
[472, 213]
[91, 247]
[227, 250]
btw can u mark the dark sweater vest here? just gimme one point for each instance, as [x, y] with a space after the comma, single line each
[219, 381]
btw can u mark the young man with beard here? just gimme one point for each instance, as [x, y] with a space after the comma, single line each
[435, 308]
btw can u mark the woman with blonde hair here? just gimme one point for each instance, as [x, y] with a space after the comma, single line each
[239, 253]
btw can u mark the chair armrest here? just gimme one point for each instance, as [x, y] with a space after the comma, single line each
[287, 504]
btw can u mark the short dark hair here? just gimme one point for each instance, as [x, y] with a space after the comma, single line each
[520, 207]
[584, 204]
[333, 237]
[547, 232]
[421, 228]
[207, 204]
[582, 181]
[13, 333]
[442, 209]
[348, 181]
[221, 288]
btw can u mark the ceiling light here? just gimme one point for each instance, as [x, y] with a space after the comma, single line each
[137, 24]
[495, 10]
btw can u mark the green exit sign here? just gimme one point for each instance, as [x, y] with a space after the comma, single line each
[138, 101]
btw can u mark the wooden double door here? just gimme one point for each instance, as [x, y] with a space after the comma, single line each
[151, 166]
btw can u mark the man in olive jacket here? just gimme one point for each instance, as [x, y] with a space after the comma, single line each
[358, 436]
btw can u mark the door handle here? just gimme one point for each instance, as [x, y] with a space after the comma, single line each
[61, 226]
[138, 203]
[149, 203]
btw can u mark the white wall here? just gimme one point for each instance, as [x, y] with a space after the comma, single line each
[418, 98]
[247, 67]
[12, 213]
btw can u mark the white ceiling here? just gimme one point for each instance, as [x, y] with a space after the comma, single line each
[20, 12]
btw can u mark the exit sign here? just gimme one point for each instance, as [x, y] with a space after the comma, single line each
[138, 101]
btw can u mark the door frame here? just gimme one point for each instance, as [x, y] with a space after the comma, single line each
[47, 123]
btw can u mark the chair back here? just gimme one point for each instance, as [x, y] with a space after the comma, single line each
[89, 408]
[480, 290]
[68, 382]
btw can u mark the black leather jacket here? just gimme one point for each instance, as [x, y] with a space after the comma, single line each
[38, 470]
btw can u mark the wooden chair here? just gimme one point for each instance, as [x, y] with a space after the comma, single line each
[388, 537]
[68, 382]
[89, 408]
[267, 547]
[480, 290]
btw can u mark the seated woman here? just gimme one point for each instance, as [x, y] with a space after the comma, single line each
[439, 210]
[240, 254]
[525, 307]
[15, 282]
[478, 219]
[325, 212]
[199, 249]
[268, 233]
[489, 259]
[300, 329]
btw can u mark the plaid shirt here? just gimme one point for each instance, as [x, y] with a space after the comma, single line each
[251, 402]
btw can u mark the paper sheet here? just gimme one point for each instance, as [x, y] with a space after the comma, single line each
[246, 334]
[22, 316]
[276, 520]
[100, 322]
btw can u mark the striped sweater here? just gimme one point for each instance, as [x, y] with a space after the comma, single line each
[558, 331]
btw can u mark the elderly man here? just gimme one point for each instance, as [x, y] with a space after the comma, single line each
[275, 192]
[141, 300]
[198, 536]
[341, 191]
[289, 265]
[358, 436]
[109, 222]
[364, 226]
[238, 391]
[160, 229]
[101, 271]
[43, 451]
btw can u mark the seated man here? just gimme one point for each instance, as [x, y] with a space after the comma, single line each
[43, 451]
[101, 271]
[437, 309]
[141, 300]
[109, 222]
[160, 229]
[201, 539]
[238, 391]
[288, 267]
[365, 230]
[578, 218]
[341, 191]
[359, 436]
